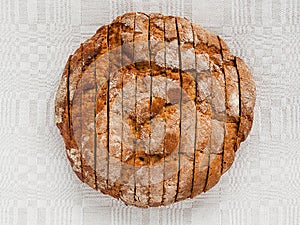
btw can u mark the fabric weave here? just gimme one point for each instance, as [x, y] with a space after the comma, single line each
[37, 184]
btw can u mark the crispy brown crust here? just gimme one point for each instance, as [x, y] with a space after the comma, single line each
[62, 114]
[157, 46]
[171, 163]
[218, 103]
[75, 110]
[88, 89]
[101, 73]
[218, 85]
[200, 173]
[229, 145]
[215, 171]
[187, 53]
[232, 105]
[114, 146]
[142, 62]
[126, 182]
[247, 99]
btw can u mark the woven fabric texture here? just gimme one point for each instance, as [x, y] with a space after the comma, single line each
[37, 185]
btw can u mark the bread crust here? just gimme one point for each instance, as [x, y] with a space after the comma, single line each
[152, 109]
[187, 147]
[157, 53]
[247, 99]
[172, 124]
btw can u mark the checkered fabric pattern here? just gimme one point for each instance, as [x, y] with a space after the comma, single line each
[37, 185]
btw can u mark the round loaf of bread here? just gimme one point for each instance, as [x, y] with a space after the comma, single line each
[152, 109]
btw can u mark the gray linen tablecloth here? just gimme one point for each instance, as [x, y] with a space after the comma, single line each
[37, 185]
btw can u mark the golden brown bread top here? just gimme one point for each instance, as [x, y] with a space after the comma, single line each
[152, 109]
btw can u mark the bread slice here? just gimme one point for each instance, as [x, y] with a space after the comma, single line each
[188, 108]
[247, 100]
[157, 66]
[102, 74]
[75, 110]
[142, 94]
[231, 130]
[63, 120]
[88, 93]
[114, 113]
[126, 181]
[172, 112]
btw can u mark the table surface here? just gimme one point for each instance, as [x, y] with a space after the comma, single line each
[37, 185]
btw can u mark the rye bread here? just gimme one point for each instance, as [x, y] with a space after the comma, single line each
[152, 109]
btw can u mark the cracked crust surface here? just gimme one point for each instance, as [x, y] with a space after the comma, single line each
[152, 109]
